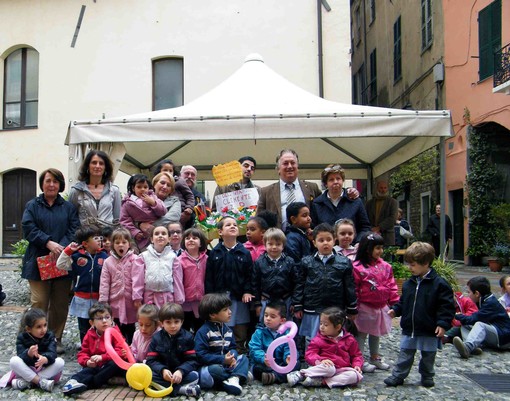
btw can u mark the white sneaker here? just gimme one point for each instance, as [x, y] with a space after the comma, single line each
[73, 387]
[379, 364]
[190, 389]
[368, 368]
[312, 382]
[46, 385]
[232, 386]
[294, 378]
[20, 384]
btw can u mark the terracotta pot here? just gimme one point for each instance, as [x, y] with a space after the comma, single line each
[495, 264]
[400, 282]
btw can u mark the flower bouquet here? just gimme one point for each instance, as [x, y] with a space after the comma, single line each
[206, 220]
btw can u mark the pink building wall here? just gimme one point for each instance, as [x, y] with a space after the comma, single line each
[464, 91]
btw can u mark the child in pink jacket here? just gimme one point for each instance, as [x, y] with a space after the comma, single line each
[376, 291]
[163, 273]
[333, 355]
[121, 283]
[140, 205]
[193, 262]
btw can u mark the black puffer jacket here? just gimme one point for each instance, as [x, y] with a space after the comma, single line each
[273, 280]
[424, 305]
[46, 346]
[320, 285]
[172, 352]
[228, 271]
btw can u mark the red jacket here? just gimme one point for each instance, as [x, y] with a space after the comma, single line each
[342, 351]
[463, 305]
[93, 344]
[375, 285]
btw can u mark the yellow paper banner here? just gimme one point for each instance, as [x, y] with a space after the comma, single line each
[227, 173]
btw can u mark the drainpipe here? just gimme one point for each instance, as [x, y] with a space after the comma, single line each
[319, 44]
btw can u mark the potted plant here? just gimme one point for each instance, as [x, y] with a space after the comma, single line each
[400, 271]
[447, 271]
[499, 256]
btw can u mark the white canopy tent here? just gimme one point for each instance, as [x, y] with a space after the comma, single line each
[257, 112]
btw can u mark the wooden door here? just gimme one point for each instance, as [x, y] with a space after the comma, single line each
[19, 186]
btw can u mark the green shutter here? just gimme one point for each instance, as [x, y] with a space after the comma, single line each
[489, 37]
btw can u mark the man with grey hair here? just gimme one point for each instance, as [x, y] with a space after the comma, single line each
[189, 174]
[382, 212]
[289, 188]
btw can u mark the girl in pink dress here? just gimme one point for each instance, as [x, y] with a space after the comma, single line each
[163, 273]
[255, 230]
[376, 291]
[193, 261]
[345, 233]
[148, 324]
[121, 284]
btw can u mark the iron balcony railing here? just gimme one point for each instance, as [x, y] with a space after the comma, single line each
[502, 66]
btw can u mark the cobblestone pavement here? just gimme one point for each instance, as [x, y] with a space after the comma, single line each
[450, 382]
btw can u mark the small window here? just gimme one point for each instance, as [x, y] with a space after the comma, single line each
[489, 37]
[167, 83]
[397, 51]
[372, 11]
[21, 89]
[426, 24]
[373, 77]
[424, 210]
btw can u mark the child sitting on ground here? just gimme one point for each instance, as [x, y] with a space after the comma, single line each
[504, 283]
[148, 325]
[36, 362]
[464, 306]
[171, 355]
[98, 366]
[333, 355]
[215, 346]
[427, 310]
[490, 326]
[274, 317]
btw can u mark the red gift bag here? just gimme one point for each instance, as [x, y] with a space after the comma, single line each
[48, 267]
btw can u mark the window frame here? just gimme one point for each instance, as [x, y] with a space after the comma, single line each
[23, 92]
[427, 27]
[373, 77]
[397, 50]
[162, 59]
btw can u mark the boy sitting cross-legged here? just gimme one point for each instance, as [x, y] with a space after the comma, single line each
[274, 317]
[171, 356]
[98, 366]
[216, 348]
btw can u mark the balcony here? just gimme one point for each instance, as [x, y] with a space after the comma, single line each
[502, 71]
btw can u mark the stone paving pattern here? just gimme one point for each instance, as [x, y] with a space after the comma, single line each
[450, 383]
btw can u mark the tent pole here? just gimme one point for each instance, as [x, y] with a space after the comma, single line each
[442, 195]
[319, 45]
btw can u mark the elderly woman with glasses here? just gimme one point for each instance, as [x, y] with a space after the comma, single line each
[335, 204]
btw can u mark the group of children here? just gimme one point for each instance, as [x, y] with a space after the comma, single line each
[338, 294]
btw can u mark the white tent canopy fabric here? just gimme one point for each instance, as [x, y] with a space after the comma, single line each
[257, 112]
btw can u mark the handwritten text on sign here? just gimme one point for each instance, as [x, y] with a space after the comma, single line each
[244, 197]
[227, 173]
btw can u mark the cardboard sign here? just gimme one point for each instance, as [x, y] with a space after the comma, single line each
[227, 173]
[233, 200]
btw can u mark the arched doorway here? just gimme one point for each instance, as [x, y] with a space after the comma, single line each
[19, 186]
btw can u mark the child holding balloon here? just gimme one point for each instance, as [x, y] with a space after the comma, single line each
[274, 317]
[98, 366]
[148, 324]
[333, 355]
[171, 354]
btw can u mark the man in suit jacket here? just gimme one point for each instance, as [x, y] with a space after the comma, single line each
[274, 197]
[382, 212]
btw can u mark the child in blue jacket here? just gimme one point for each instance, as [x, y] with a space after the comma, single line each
[85, 259]
[274, 317]
[216, 348]
[489, 326]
